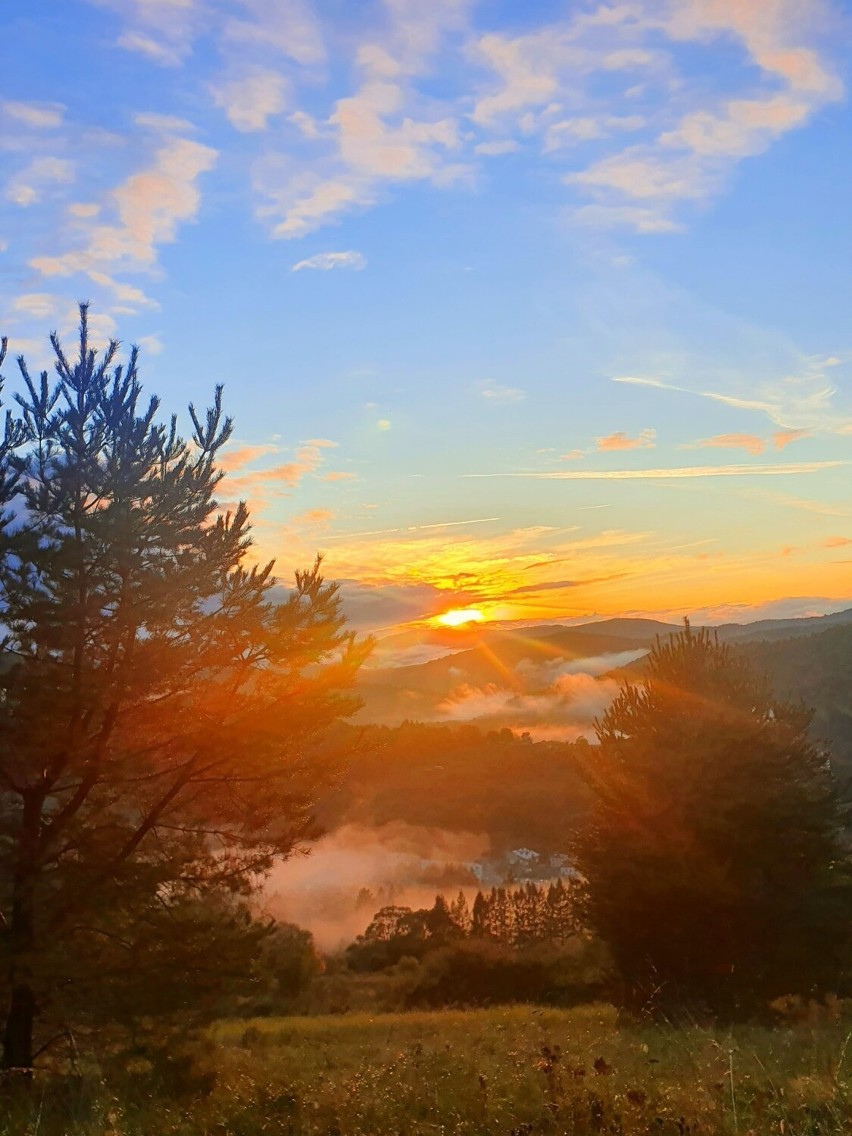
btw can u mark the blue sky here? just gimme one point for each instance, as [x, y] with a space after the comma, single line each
[540, 308]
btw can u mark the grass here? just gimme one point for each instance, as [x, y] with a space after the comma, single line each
[514, 1071]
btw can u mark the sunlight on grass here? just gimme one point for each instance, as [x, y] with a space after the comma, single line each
[514, 1070]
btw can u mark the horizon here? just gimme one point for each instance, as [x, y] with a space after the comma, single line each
[498, 297]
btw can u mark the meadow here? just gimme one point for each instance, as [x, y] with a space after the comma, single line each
[513, 1071]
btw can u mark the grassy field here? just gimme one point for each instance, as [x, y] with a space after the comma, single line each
[514, 1071]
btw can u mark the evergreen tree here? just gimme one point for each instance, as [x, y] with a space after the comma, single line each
[479, 917]
[501, 924]
[460, 912]
[715, 858]
[159, 716]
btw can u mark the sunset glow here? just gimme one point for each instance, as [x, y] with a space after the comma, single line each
[460, 617]
[450, 207]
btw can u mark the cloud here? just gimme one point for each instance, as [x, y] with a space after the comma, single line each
[27, 186]
[560, 585]
[275, 481]
[799, 401]
[572, 455]
[289, 27]
[749, 442]
[497, 393]
[837, 542]
[251, 100]
[386, 604]
[339, 475]
[548, 87]
[790, 468]
[314, 517]
[783, 438]
[383, 133]
[163, 123]
[234, 459]
[431, 94]
[37, 116]
[147, 209]
[36, 305]
[151, 344]
[160, 30]
[622, 441]
[325, 261]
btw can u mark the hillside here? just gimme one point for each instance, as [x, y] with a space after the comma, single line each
[552, 681]
[817, 669]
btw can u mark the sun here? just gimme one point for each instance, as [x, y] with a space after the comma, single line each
[460, 616]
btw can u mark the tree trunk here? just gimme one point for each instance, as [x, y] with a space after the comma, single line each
[18, 1034]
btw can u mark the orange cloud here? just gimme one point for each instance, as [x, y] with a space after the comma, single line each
[749, 442]
[622, 441]
[314, 517]
[258, 483]
[232, 460]
[339, 475]
[783, 438]
[836, 542]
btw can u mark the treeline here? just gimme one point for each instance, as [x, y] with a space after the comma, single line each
[460, 778]
[514, 917]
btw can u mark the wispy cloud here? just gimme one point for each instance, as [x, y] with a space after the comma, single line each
[325, 261]
[783, 438]
[799, 401]
[256, 485]
[36, 116]
[237, 457]
[691, 136]
[665, 136]
[790, 468]
[28, 186]
[160, 31]
[498, 393]
[135, 218]
[749, 442]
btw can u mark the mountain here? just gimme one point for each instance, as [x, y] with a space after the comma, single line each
[552, 681]
[783, 628]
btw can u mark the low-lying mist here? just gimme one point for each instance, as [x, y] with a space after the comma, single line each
[552, 701]
[324, 890]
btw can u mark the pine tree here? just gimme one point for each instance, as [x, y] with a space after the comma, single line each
[159, 716]
[715, 858]
[460, 913]
[479, 917]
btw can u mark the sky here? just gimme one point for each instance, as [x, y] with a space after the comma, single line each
[538, 308]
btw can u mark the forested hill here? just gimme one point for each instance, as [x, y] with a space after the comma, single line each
[520, 792]
[554, 681]
[817, 669]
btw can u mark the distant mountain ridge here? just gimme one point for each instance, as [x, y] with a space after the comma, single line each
[553, 680]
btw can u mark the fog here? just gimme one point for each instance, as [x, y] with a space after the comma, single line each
[398, 862]
[552, 701]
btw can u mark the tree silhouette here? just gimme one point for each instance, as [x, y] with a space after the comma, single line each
[159, 716]
[714, 857]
